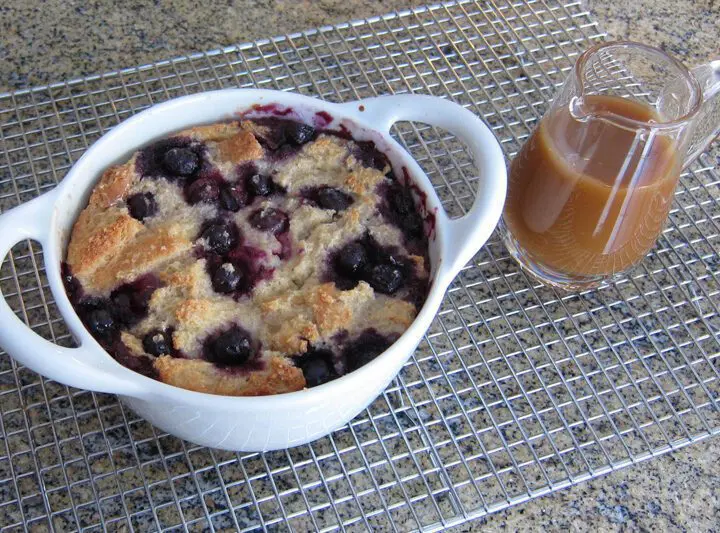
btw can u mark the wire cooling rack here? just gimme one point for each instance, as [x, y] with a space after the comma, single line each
[516, 390]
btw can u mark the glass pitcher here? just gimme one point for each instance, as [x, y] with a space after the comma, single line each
[591, 189]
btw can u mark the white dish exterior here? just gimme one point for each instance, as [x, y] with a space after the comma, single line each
[249, 423]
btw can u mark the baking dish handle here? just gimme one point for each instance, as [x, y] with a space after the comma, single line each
[468, 233]
[75, 367]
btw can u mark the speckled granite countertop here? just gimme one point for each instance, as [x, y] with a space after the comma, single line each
[45, 41]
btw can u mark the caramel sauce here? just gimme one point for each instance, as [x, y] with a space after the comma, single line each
[590, 197]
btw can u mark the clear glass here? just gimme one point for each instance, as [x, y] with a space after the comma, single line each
[590, 191]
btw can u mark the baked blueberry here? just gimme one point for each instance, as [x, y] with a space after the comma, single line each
[141, 205]
[366, 347]
[181, 161]
[299, 133]
[269, 219]
[317, 366]
[124, 307]
[100, 323]
[226, 278]
[157, 342]
[351, 260]
[406, 216]
[332, 198]
[232, 198]
[259, 185]
[221, 237]
[130, 301]
[232, 347]
[72, 285]
[385, 278]
[202, 190]
[367, 153]
[274, 133]
[123, 355]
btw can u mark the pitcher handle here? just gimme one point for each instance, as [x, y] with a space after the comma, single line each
[706, 125]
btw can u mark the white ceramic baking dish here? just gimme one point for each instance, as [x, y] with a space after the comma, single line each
[252, 423]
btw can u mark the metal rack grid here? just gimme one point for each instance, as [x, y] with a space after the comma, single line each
[516, 390]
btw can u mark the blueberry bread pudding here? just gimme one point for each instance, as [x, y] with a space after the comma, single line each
[249, 257]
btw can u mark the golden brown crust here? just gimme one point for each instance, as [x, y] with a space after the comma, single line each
[144, 253]
[394, 315]
[362, 180]
[211, 132]
[97, 237]
[279, 376]
[299, 318]
[113, 185]
[240, 147]
[330, 312]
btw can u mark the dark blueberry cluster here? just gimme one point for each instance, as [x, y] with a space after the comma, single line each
[232, 197]
[363, 349]
[183, 161]
[130, 301]
[176, 159]
[320, 365]
[366, 260]
[206, 190]
[284, 135]
[398, 208]
[234, 268]
[122, 354]
[105, 317]
[367, 153]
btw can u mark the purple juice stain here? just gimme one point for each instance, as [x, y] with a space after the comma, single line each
[323, 119]
[272, 109]
[285, 240]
